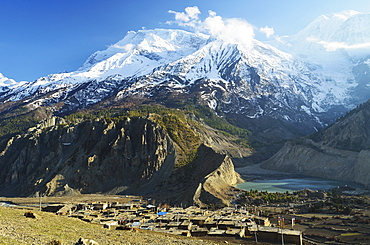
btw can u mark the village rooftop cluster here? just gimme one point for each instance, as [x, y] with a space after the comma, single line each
[191, 221]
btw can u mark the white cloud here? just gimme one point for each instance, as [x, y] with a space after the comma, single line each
[334, 46]
[187, 18]
[212, 13]
[268, 31]
[233, 30]
[236, 31]
[125, 48]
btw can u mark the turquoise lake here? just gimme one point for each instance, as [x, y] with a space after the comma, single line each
[283, 185]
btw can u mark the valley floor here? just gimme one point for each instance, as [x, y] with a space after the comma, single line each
[322, 220]
[46, 227]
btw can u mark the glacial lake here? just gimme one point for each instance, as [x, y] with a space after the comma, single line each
[283, 185]
[261, 179]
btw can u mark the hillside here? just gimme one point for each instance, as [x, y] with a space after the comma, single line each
[339, 152]
[150, 151]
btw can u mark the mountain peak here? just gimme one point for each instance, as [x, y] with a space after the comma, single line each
[157, 41]
[344, 15]
[6, 82]
[344, 30]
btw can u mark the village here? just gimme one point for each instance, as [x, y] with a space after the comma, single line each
[303, 217]
[135, 214]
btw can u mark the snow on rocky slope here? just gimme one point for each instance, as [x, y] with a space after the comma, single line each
[312, 77]
[336, 45]
[6, 83]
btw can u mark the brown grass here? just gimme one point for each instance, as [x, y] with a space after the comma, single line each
[15, 229]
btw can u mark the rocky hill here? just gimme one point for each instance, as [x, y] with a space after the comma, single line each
[339, 152]
[163, 154]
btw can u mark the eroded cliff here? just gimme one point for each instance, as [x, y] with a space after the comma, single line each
[91, 156]
[133, 155]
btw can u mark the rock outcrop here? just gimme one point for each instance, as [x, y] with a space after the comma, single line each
[91, 156]
[217, 184]
[208, 180]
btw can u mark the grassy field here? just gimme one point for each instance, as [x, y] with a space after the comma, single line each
[15, 228]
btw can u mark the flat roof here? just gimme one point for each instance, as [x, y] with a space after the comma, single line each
[278, 230]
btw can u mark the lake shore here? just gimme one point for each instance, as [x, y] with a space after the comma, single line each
[257, 178]
[255, 172]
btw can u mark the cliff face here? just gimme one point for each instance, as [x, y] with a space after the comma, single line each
[207, 180]
[92, 156]
[131, 156]
[340, 152]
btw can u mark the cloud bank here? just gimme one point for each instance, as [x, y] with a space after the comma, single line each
[189, 18]
[229, 30]
[334, 46]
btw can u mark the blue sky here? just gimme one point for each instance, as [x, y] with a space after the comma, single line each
[42, 37]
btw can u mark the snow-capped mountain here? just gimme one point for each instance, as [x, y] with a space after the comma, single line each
[298, 86]
[135, 55]
[6, 83]
[261, 82]
[338, 46]
[347, 30]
